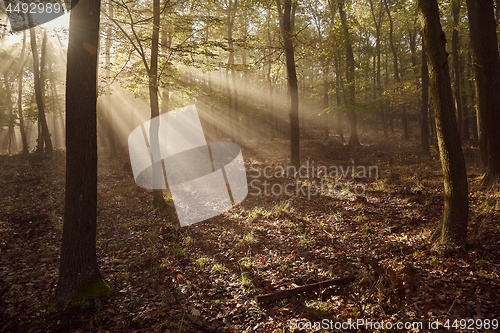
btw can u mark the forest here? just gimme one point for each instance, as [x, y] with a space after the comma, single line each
[249, 166]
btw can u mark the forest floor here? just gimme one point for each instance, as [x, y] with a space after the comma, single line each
[204, 277]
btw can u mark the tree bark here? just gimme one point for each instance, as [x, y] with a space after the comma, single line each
[79, 271]
[10, 132]
[287, 18]
[158, 199]
[424, 111]
[453, 227]
[404, 117]
[482, 26]
[465, 101]
[233, 97]
[107, 107]
[39, 91]
[378, 89]
[338, 97]
[455, 50]
[20, 96]
[351, 85]
[326, 100]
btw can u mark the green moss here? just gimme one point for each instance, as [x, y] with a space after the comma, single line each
[98, 289]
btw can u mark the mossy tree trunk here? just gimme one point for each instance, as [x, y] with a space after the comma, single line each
[453, 227]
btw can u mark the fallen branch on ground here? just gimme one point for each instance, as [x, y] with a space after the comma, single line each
[291, 292]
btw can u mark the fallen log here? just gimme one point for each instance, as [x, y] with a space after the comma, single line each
[308, 287]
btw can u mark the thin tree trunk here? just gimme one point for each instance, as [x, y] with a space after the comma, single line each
[39, 140]
[166, 43]
[233, 96]
[272, 112]
[455, 47]
[110, 130]
[465, 106]
[424, 111]
[158, 199]
[326, 100]
[287, 18]
[378, 88]
[10, 131]
[338, 97]
[472, 97]
[387, 106]
[20, 97]
[351, 88]
[271, 103]
[58, 113]
[45, 135]
[404, 117]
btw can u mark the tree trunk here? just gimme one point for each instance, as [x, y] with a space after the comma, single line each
[166, 43]
[404, 117]
[497, 10]
[158, 199]
[271, 104]
[453, 227]
[378, 88]
[20, 97]
[465, 100]
[482, 26]
[351, 88]
[79, 275]
[338, 97]
[391, 42]
[110, 131]
[40, 145]
[424, 110]
[233, 97]
[10, 131]
[455, 47]
[45, 136]
[287, 18]
[326, 100]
